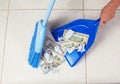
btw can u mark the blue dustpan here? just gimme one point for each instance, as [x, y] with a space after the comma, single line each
[85, 26]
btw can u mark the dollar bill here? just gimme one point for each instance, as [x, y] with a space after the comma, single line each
[74, 41]
[54, 46]
[68, 44]
[52, 62]
[45, 68]
[79, 38]
[76, 37]
[50, 58]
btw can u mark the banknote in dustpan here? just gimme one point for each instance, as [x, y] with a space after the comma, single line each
[76, 37]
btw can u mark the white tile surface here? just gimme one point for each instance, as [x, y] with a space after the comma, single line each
[92, 14]
[103, 59]
[20, 30]
[4, 4]
[3, 18]
[43, 4]
[95, 4]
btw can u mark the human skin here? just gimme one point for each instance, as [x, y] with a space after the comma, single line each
[108, 11]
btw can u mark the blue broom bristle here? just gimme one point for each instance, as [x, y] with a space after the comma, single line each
[35, 62]
[32, 45]
[34, 57]
[31, 57]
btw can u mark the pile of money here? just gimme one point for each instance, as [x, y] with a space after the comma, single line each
[52, 55]
[53, 52]
[72, 40]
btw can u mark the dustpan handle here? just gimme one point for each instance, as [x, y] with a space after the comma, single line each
[48, 12]
[97, 22]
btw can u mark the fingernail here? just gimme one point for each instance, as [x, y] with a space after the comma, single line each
[104, 22]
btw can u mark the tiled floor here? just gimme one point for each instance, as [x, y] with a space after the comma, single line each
[42, 4]
[3, 19]
[103, 59]
[95, 4]
[17, 20]
[4, 4]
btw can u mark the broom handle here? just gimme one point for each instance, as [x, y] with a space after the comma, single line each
[48, 12]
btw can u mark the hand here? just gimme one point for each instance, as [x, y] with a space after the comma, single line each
[107, 13]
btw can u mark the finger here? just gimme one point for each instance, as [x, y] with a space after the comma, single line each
[101, 22]
[104, 22]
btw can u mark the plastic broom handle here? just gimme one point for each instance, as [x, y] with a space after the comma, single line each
[48, 12]
[42, 28]
[40, 37]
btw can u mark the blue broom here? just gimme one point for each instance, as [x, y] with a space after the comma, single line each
[38, 38]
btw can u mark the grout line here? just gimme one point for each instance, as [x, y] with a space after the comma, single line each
[41, 9]
[1, 76]
[3, 9]
[86, 68]
[86, 53]
[53, 9]
[83, 9]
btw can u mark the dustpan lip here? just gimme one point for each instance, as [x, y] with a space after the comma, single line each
[72, 28]
[76, 22]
